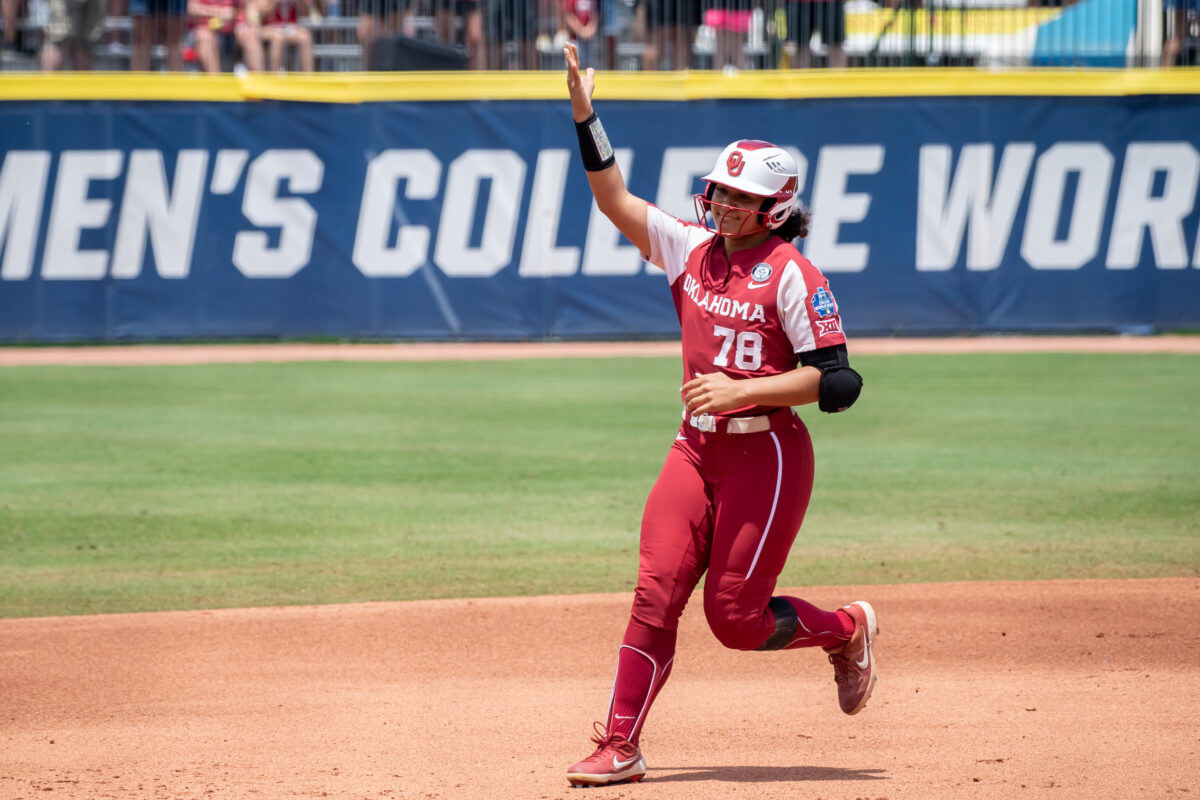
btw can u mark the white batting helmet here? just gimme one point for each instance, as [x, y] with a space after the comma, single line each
[758, 168]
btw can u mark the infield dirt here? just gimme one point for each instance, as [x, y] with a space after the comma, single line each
[988, 690]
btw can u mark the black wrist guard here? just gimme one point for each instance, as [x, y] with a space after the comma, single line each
[594, 145]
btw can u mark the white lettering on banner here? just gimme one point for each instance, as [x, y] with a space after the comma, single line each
[227, 170]
[453, 252]
[603, 254]
[1138, 210]
[170, 220]
[1040, 247]
[832, 205]
[372, 254]
[71, 213]
[722, 306]
[295, 218]
[540, 257]
[22, 192]
[944, 205]
[680, 168]
[972, 201]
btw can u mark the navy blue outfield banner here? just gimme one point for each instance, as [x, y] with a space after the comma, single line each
[133, 220]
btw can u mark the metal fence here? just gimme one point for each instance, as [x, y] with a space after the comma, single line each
[728, 35]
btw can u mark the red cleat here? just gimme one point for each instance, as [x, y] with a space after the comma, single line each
[854, 662]
[616, 760]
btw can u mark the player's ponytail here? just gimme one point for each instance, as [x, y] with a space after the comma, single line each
[796, 225]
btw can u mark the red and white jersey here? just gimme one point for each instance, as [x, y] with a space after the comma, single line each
[582, 9]
[285, 12]
[747, 315]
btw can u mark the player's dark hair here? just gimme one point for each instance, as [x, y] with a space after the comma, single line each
[795, 226]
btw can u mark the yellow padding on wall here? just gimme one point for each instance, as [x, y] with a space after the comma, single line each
[695, 85]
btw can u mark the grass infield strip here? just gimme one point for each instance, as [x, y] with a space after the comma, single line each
[151, 488]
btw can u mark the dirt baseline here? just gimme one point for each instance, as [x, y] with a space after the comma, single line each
[1081, 689]
[167, 354]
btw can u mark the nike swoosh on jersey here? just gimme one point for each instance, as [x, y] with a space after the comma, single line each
[753, 285]
[620, 765]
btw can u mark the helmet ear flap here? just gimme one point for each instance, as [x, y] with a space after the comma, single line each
[763, 209]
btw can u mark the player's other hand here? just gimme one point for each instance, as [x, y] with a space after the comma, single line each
[711, 393]
[581, 85]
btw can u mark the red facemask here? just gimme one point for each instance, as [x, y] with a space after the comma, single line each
[753, 222]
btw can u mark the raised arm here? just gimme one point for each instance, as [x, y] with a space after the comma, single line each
[627, 211]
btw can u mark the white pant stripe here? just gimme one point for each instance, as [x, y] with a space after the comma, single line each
[650, 691]
[774, 503]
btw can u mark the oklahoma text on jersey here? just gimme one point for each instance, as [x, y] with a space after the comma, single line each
[722, 306]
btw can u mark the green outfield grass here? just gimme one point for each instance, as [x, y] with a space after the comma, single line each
[146, 488]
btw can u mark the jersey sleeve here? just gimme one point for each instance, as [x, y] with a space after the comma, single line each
[671, 240]
[808, 310]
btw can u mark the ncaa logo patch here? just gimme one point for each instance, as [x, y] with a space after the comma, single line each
[761, 273]
[822, 303]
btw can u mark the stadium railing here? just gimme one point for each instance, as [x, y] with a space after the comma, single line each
[725, 35]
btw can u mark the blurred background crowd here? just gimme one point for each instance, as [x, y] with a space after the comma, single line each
[730, 35]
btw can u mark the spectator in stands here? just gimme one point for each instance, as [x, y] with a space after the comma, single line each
[161, 20]
[730, 22]
[828, 17]
[512, 25]
[10, 12]
[461, 22]
[378, 19]
[283, 29]
[76, 26]
[226, 27]
[1182, 32]
[582, 20]
[672, 26]
[616, 25]
[116, 8]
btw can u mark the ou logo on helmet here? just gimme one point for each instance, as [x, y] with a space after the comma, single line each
[735, 163]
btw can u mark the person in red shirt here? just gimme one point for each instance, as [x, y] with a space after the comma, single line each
[223, 26]
[282, 27]
[582, 19]
[761, 332]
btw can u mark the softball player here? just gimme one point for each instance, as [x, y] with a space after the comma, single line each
[761, 333]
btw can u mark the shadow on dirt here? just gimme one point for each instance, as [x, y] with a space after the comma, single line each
[762, 774]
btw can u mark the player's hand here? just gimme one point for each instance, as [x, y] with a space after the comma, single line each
[581, 85]
[711, 393]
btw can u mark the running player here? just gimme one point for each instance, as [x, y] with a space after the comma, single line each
[761, 333]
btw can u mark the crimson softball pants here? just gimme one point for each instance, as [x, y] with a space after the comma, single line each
[730, 504]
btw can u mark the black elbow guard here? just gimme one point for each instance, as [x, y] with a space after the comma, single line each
[839, 388]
